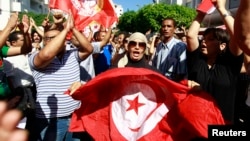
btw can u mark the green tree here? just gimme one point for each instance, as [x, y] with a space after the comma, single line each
[38, 18]
[126, 22]
[150, 17]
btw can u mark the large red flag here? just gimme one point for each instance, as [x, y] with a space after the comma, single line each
[139, 104]
[86, 11]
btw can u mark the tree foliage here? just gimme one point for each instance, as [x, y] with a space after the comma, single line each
[127, 22]
[38, 18]
[150, 17]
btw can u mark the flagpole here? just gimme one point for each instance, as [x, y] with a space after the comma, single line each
[47, 17]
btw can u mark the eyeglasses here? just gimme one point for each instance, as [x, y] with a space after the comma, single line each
[140, 44]
[49, 38]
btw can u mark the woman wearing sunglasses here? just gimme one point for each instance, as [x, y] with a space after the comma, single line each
[134, 57]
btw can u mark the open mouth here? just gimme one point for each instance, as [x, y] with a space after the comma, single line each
[136, 53]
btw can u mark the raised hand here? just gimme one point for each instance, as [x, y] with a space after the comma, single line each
[58, 17]
[45, 22]
[12, 23]
[25, 22]
[70, 22]
[75, 86]
[32, 22]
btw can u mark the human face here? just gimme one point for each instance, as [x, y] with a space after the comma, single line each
[19, 42]
[49, 35]
[184, 39]
[210, 46]
[167, 29]
[36, 38]
[101, 36]
[136, 50]
[120, 39]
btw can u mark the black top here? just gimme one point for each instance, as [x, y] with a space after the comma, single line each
[143, 63]
[220, 80]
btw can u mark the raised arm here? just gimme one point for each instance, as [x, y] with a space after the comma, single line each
[242, 26]
[33, 24]
[85, 48]
[229, 23]
[4, 34]
[27, 46]
[106, 38]
[193, 32]
[54, 40]
[90, 36]
[152, 45]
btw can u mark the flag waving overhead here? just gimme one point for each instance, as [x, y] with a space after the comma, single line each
[87, 11]
[206, 6]
[139, 104]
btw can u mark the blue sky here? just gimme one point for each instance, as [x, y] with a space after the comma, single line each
[132, 4]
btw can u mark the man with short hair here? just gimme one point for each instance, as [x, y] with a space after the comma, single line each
[54, 69]
[170, 55]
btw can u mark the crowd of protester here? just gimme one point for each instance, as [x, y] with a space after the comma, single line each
[38, 64]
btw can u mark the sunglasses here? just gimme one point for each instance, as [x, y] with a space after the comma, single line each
[140, 44]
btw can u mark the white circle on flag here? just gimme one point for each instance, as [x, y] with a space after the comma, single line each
[137, 112]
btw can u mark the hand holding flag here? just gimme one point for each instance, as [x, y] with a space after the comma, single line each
[85, 12]
[143, 106]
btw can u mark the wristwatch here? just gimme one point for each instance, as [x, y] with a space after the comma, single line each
[226, 14]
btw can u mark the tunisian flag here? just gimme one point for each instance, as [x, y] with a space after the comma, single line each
[139, 104]
[87, 11]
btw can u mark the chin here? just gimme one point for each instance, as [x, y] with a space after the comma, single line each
[135, 59]
[204, 51]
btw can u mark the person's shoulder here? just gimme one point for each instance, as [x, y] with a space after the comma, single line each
[5, 48]
[180, 44]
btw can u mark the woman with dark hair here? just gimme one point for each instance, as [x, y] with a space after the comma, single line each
[215, 62]
[36, 39]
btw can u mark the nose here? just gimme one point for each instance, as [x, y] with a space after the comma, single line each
[203, 43]
[137, 46]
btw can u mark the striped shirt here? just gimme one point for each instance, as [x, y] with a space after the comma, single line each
[52, 82]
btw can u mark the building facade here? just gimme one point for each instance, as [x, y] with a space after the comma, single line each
[9, 6]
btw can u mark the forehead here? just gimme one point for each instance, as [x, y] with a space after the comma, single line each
[209, 35]
[121, 35]
[137, 40]
[168, 22]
